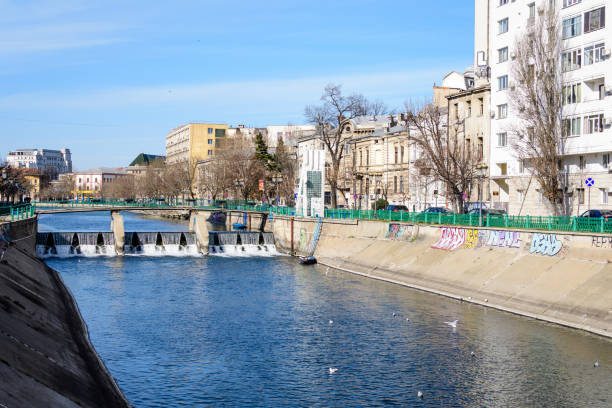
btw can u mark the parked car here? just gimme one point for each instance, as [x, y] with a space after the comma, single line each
[487, 211]
[395, 208]
[435, 210]
[597, 214]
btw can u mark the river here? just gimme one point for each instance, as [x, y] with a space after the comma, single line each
[265, 331]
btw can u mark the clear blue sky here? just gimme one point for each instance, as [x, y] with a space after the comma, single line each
[109, 79]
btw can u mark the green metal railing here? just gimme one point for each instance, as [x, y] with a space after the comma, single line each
[18, 211]
[548, 223]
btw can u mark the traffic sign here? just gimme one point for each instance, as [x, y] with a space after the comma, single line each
[464, 196]
[355, 196]
[295, 196]
[589, 182]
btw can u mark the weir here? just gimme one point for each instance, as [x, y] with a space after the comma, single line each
[241, 243]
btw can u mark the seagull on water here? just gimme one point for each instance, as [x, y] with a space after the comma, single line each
[332, 370]
[420, 394]
[331, 321]
[472, 354]
[596, 364]
[452, 324]
[394, 314]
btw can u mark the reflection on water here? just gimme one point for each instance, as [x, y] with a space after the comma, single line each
[99, 221]
[256, 332]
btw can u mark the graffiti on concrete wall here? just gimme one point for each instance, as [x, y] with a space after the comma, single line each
[453, 238]
[601, 242]
[399, 231]
[545, 244]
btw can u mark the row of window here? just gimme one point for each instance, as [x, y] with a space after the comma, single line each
[398, 156]
[593, 21]
[468, 108]
[572, 93]
[588, 125]
[572, 60]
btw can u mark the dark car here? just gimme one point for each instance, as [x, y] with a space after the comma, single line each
[395, 208]
[487, 211]
[597, 214]
[435, 210]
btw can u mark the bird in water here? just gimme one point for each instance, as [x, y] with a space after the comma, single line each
[332, 370]
[331, 321]
[420, 394]
[394, 314]
[596, 364]
[452, 324]
[472, 354]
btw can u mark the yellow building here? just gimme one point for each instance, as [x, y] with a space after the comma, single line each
[194, 142]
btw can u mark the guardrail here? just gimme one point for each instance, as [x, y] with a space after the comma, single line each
[549, 223]
[18, 211]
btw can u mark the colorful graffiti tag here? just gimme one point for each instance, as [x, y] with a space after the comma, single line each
[545, 244]
[453, 238]
[398, 231]
[601, 242]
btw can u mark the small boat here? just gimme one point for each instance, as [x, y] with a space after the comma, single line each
[308, 260]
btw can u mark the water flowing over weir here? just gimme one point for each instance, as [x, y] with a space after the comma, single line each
[240, 243]
[68, 244]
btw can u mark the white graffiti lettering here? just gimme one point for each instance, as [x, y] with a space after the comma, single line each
[545, 244]
[451, 239]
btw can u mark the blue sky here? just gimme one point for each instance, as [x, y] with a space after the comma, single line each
[109, 79]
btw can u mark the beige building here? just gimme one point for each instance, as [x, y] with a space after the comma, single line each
[193, 142]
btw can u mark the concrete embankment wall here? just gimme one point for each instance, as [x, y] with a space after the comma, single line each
[46, 358]
[562, 278]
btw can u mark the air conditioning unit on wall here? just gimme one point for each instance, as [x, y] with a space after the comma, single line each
[607, 121]
[492, 113]
[512, 85]
[606, 52]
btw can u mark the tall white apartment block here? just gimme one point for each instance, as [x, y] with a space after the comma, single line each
[587, 111]
[52, 162]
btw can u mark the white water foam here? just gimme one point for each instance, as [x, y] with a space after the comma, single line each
[68, 251]
[230, 251]
[165, 250]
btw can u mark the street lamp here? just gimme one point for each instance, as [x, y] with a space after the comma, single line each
[239, 184]
[277, 179]
[481, 173]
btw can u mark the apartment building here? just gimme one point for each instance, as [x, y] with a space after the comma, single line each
[50, 162]
[587, 100]
[193, 142]
[88, 183]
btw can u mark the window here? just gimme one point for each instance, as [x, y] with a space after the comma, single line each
[468, 109]
[210, 131]
[480, 148]
[402, 154]
[502, 139]
[593, 54]
[481, 105]
[401, 184]
[571, 127]
[593, 124]
[581, 163]
[210, 152]
[396, 154]
[531, 8]
[605, 160]
[395, 184]
[502, 111]
[594, 20]
[502, 26]
[571, 94]
[571, 60]
[502, 54]
[572, 27]
[502, 83]
[502, 2]
[521, 195]
[219, 132]
[604, 195]
[210, 141]
[567, 3]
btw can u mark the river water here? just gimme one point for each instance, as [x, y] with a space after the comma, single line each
[219, 331]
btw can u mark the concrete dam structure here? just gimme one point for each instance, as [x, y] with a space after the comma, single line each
[564, 278]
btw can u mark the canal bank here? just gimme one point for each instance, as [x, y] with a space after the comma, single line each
[562, 278]
[46, 358]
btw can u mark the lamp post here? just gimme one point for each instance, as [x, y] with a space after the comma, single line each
[277, 179]
[481, 173]
[239, 184]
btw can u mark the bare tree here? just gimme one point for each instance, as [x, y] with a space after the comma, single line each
[330, 119]
[537, 101]
[120, 187]
[444, 153]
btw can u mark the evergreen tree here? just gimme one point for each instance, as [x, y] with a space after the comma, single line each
[262, 155]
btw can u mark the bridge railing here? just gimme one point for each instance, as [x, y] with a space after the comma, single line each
[18, 211]
[545, 223]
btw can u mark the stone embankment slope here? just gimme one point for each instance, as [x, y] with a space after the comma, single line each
[562, 278]
[46, 359]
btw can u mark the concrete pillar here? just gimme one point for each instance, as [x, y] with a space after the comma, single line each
[198, 224]
[118, 231]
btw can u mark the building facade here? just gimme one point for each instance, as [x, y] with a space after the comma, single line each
[193, 142]
[587, 101]
[89, 183]
[50, 162]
